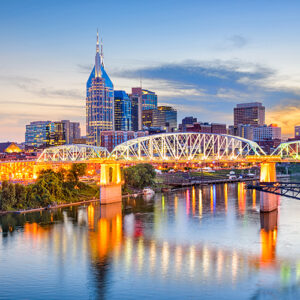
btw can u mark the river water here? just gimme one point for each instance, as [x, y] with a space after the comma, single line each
[209, 243]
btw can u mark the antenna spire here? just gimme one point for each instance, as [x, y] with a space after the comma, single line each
[97, 58]
[101, 54]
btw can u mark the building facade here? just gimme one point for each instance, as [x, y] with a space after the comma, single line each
[99, 100]
[262, 133]
[186, 121]
[249, 113]
[122, 111]
[244, 131]
[42, 134]
[136, 112]
[111, 139]
[38, 133]
[149, 98]
[297, 132]
[164, 117]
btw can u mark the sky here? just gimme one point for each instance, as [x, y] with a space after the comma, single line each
[202, 57]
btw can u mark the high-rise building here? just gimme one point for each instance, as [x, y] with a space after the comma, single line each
[149, 99]
[38, 133]
[244, 131]
[122, 111]
[164, 117]
[136, 112]
[249, 113]
[75, 132]
[187, 121]
[271, 132]
[99, 100]
[48, 133]
[297, 132]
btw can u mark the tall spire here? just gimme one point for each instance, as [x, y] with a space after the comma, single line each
[101, 54]
[98, 72]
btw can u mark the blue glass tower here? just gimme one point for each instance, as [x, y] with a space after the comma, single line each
[122, 111]
[99, 100]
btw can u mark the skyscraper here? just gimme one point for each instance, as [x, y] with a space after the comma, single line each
[99, 100]
[249, 113]
[49, 133]
[141, 100]
[164, 117]
[122, 111]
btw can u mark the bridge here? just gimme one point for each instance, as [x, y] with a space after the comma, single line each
[188, 148]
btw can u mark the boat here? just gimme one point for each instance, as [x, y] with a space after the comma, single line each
[148, 191]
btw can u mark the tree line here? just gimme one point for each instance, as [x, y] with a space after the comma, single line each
[50, 188]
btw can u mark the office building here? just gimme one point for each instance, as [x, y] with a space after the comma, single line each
[271, 132]
[297, 132]
[41, 134]
[99, 100]
[122, 111]
[244, 131]
[249, 113]
[141, 100]
[136, 112]
[110, 139]
[164, 117]
[149, 99]
[186, 121]
[38, 134]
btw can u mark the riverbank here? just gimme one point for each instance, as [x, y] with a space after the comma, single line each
[190, 179]
[62, 205]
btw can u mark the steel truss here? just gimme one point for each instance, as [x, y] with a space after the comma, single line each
[287, 189]
[288, 150]
[186, 146]
[72, 153]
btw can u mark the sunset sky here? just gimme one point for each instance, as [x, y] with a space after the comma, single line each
[202, 57]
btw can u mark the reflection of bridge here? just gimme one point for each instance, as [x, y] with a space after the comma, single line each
[169, 148]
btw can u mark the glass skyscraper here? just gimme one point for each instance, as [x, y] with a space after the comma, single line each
[39, 133]
[99, 100]
[149, 99]
[122, 111]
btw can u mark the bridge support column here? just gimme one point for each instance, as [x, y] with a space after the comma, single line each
[268, 202]
[110, 184]
[268, 172]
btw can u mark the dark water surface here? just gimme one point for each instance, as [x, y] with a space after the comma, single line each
[209, 243]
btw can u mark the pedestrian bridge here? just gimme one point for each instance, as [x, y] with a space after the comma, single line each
[72, 153]
[170, 148]
[186, 147]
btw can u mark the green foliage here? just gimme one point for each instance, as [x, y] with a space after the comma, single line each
[76, 171]
[50, 188]
[139, 176]
[8, 196]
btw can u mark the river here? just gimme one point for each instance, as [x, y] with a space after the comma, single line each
[196, 243]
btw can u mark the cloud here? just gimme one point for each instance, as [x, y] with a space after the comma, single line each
[210, 90]
[236, 41]
[35, 87]
[85, 68]
[43, 104]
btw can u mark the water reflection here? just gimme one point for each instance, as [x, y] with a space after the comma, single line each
[268, 234]
[189, 240]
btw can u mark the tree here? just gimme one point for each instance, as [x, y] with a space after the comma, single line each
[76, 171]
[8, 196]
[140, 176]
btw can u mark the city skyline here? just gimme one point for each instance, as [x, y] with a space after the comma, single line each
[194, 59]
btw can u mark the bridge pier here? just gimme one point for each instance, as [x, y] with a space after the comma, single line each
[110, 184]
[268, 202]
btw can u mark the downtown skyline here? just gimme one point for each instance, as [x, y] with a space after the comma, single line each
[198, 60]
